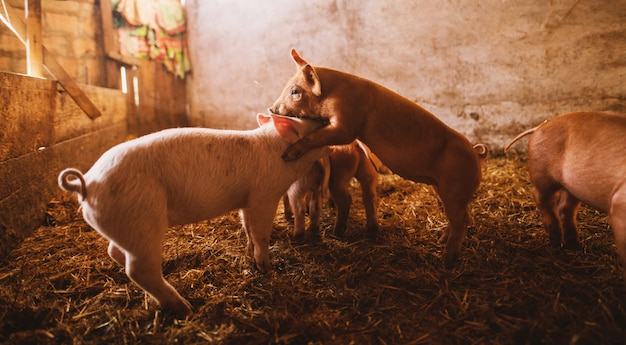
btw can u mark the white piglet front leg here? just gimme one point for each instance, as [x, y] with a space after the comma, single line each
[258, 222]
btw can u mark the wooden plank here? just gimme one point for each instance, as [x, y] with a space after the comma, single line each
[69, 122]
[70, 86]
[126, 60]
[34, 51]
[171, 98]
[30, 181]
[41, 132]
[108, 37]
[26, 114]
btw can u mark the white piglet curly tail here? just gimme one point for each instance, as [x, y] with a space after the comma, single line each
[76, 185]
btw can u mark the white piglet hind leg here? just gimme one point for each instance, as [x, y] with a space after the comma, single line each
[117, 254]
[144, 268]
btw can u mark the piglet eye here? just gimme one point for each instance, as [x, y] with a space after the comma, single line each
[295, 94]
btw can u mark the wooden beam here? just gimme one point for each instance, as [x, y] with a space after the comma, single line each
[34, 50]
[108, 42]
[70, 86]
[106, 15]
[55, 69]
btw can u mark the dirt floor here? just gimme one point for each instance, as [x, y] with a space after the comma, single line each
[509, 286]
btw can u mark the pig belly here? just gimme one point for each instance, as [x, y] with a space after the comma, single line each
[205, 208]
[592, 183]
[424, 163]
[590, 164]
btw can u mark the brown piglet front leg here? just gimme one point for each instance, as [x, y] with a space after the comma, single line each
[332, 134]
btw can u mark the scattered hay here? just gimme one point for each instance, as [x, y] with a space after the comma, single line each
[509, 286]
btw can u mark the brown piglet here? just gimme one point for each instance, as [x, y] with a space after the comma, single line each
[307, 194]
[579, 157]
[348, 161]
[335, 173]
[408, 139]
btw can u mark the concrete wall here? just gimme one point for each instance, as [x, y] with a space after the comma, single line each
[487, 68]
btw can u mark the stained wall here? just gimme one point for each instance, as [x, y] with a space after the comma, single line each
[487, 68]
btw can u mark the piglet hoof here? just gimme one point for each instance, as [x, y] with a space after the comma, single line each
[297, 238]
[555, 243]
[372, 234]
[264, 267]
[315, 237]
[180, 308]
[572, 245]
[289, 216]
[338, 232]
[449, 259]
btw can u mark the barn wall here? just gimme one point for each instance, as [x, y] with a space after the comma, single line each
[487, 68]
[42, 130]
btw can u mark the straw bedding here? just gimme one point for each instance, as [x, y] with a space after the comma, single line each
[509, 286]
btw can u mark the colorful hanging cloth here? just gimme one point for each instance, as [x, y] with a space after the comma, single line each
[154, 29]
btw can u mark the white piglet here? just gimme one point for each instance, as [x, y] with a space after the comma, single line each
[139, 188]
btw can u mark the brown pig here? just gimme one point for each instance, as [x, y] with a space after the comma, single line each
[307, 193]
[408, 139]
[347, 161]
[579, 157]
[335, 173]
[139, 188]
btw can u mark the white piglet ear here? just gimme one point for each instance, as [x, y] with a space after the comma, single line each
[285, 128]
[262, 119]
[293, 129]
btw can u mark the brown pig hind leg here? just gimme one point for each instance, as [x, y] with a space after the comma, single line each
[287, 208]
[545, 198]
[315, 212]
[617, 218]
[343, 166]
[368, 178]
[342, 199]
[458, 219]
[458, 177]
[567, 207]
[455, 196]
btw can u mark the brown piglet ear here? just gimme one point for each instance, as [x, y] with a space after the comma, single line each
[297, 59]
[312, 79]
[309, 73]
